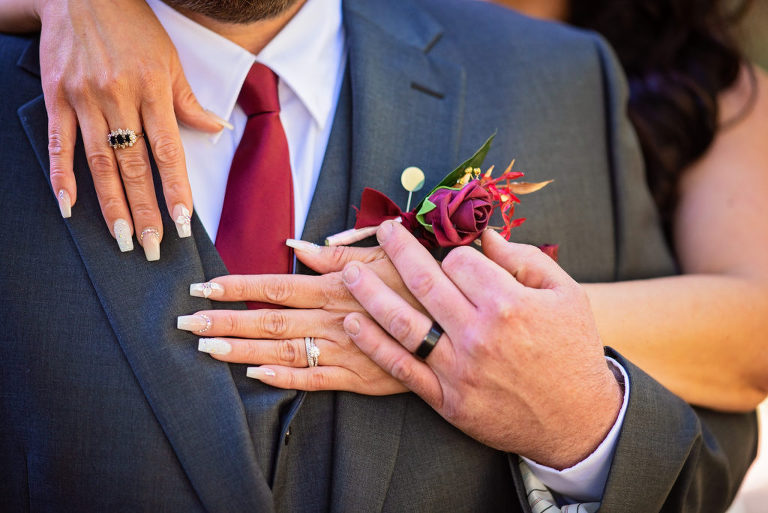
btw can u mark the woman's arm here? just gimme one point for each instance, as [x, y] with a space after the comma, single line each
[19, 16]
[703, 334]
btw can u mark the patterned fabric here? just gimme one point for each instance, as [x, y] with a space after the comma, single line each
[541, 499]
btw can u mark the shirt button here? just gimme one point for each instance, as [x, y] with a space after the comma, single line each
[287, 436]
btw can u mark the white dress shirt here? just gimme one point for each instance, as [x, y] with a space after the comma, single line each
[308, 56]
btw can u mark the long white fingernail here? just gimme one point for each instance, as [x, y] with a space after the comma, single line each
[205, 289]
[302, 245]
[214, 346]
[183, 220]
[218, 119]
[150, 241]
[198, 322]
[65, 204]
[259, 373]
[123, 235]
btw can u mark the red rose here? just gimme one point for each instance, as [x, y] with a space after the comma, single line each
[461, 215]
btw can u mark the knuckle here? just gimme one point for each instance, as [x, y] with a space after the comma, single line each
[145, 211]
[504, 309]
[227, 323]
[237, 288]
[274, 323]
[167, 150]
[401, 368]
[57, 145]
[134, 168]
[110, 84]
[421, 284]
[277, 291]
[101, 164]
[457, 258]
[339, 255]
[400, 325]
[287, 353]
[317, 381]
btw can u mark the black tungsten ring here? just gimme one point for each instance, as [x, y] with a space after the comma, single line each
[429, 342]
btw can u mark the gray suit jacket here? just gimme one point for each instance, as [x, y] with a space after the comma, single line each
[105, 406]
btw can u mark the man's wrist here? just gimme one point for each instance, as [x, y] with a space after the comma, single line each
[585, 480]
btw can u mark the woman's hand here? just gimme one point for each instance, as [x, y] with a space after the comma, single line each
[274, 339]
[107, 66]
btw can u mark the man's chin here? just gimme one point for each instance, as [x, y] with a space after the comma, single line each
[234, 11]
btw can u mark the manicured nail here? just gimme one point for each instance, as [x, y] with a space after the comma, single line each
[65, 204]
[259, 373]
[302, 245]
[198, 322]
[350, 274]
[205, 289]
[123, 235]
[351, 326]
[214, 346]
[183, 220]
[384, 231]
[150, 241]
[218, 119]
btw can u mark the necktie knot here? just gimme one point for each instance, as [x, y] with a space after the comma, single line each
[259, 92]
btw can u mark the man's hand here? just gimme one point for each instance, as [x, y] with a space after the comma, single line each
[520, 366]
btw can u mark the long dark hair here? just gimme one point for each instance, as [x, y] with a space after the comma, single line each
[678, 56]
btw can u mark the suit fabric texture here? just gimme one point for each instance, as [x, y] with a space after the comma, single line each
[105, 406]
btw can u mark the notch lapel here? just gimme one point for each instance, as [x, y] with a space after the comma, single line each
[192, 396]
[407, 109]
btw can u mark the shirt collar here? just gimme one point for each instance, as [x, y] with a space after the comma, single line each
[306, 55]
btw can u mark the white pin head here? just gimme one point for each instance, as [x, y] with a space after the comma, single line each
[412, 179]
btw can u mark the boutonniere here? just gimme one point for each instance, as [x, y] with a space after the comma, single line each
[455, 212]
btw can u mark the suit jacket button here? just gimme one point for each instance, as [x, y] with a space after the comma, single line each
[287, 436]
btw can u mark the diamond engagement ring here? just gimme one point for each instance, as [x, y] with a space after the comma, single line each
[313, 353]
[123, 138]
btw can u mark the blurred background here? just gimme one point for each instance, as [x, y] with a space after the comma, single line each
[753, 496]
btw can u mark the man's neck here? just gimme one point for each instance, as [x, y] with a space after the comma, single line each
[251, 36]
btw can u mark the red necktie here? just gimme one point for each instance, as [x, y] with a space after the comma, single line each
[257, 215]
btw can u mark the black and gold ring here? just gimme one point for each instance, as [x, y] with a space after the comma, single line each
[121, 138]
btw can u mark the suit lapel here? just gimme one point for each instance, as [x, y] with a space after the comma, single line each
[192, 396]
[407, 108]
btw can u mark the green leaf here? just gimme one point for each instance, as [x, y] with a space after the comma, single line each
[426, 207]
[450, 180]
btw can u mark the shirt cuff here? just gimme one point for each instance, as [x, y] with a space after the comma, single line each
[585, 481]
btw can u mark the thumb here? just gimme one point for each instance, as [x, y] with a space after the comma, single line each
[189, 111]
[328, 259]
[528, 264]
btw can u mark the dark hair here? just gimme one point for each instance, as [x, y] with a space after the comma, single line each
[678, 56]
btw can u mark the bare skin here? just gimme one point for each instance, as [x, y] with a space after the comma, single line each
[694, 333]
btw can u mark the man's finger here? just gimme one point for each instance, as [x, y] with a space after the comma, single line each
[394, 358]
[477, 277]
[328, 259]
[406, 324]
[528, 264]
[422, 275]
[291, 290]
[62, 131]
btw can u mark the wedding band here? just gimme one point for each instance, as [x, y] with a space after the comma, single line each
[123, 138]
[429, 342]
[313, 352]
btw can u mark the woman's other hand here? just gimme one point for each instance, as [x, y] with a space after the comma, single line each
[142, 89]
[275, 339]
